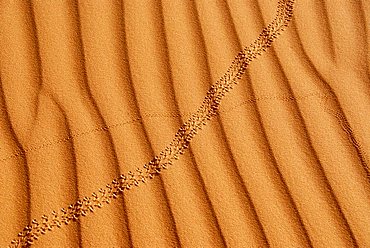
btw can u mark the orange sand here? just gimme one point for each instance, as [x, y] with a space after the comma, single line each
[283, 165]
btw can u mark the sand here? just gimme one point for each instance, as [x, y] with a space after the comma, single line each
[93, 89]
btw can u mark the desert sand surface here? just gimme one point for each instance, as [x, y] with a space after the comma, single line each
[91, 89]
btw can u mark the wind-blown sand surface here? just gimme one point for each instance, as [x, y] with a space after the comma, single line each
[94, 89]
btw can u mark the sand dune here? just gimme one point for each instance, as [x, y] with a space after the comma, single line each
[93, 89]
